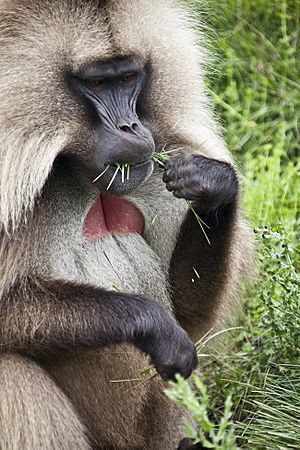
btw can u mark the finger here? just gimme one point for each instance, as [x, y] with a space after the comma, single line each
[170, 186]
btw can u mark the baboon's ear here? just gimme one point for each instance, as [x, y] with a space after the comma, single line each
[25, 164]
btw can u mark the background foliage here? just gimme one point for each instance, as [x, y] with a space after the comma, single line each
[251, 386]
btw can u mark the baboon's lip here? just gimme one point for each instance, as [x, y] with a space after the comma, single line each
[132, 165]
[113, 215]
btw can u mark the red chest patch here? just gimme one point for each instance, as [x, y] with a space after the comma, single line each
[112, 215]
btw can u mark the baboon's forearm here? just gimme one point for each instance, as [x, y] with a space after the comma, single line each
[204, 263]
[200, 270]
[41, 317]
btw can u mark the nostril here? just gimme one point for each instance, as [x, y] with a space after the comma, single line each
[125, 128]
[129, 128]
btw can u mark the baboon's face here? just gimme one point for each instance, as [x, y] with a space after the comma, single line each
[110, 91]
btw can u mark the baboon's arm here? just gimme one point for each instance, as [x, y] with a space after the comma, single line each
[203, 273]
[39, 317]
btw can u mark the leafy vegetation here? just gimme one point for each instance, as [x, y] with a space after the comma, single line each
[256, 90]
[218, 436]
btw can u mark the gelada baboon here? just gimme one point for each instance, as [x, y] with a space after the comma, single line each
[99, 246]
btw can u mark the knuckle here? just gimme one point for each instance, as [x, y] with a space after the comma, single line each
[178, 194]
[170, 186]
[170, 165]
[166, 175]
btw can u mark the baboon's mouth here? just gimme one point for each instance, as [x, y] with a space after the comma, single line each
[120, 179]
[113, 215]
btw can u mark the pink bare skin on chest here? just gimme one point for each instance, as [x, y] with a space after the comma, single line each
[112, 215]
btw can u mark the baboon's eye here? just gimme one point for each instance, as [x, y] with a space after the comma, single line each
[96, 83]
[128, 78]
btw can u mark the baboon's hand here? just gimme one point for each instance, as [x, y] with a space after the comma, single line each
[187, 444]
[208, 182]
[170, 349]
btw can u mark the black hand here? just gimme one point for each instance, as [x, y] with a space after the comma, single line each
[170, 348]
[210, 183]
[187, 444]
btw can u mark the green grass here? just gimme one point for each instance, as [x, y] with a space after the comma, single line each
[256, 90]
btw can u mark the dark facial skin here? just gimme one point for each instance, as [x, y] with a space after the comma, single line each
[111, 89]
